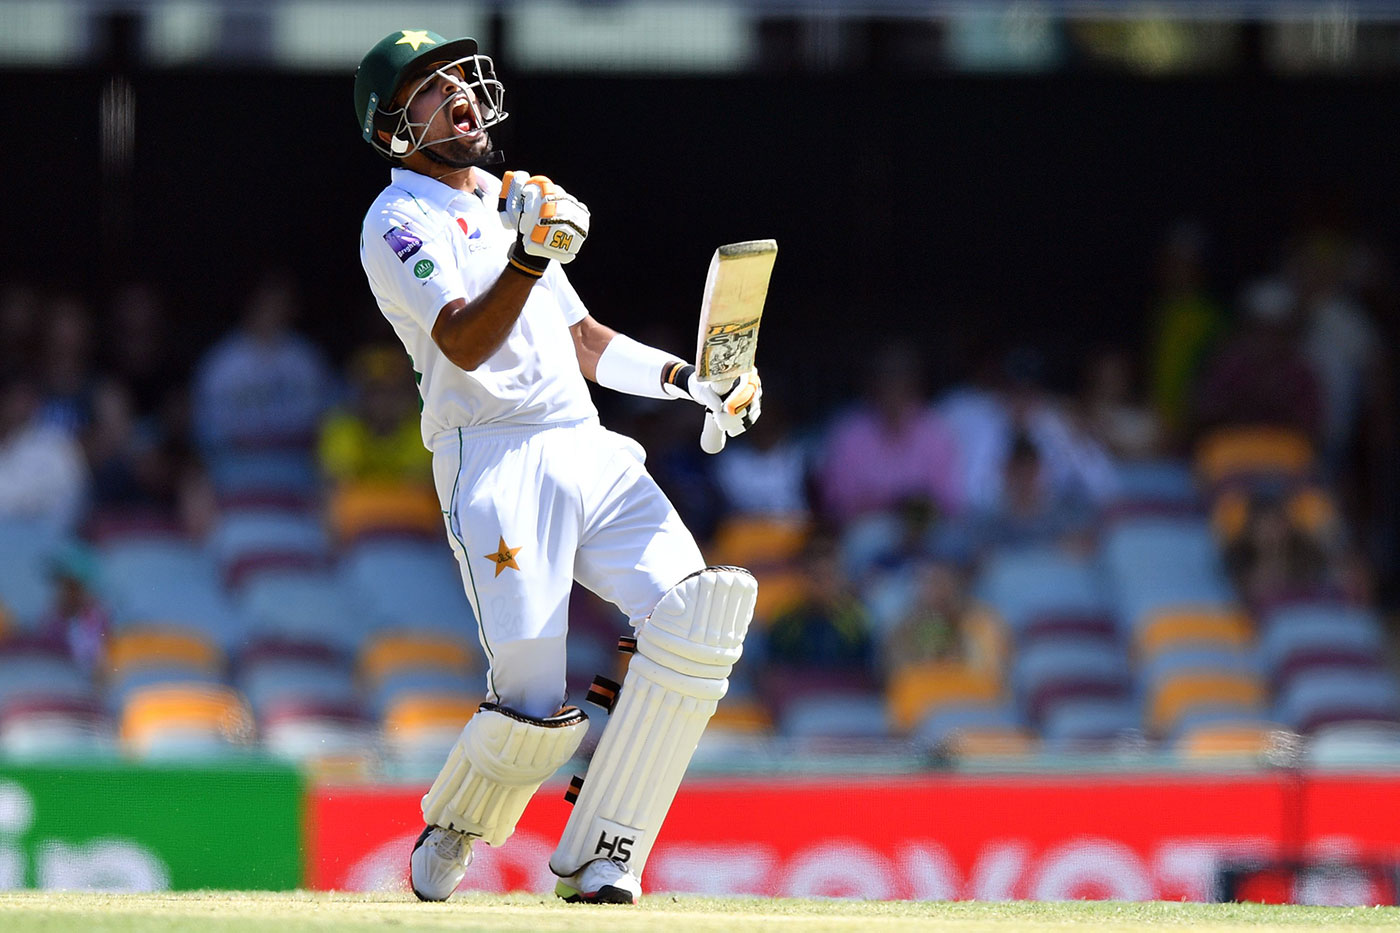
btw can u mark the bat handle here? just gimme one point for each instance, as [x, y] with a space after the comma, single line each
[712, 436]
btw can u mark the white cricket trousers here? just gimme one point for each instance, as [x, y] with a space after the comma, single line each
[530, 509]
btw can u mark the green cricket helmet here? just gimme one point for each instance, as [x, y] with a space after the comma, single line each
[403, 55]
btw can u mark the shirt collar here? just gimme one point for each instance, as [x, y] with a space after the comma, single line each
[427, 189]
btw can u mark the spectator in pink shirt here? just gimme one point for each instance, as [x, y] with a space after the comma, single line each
[891, 448]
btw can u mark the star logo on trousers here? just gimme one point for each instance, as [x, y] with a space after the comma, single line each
[504, 557]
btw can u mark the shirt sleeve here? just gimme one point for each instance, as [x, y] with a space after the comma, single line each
[410, 266]
[570, 304]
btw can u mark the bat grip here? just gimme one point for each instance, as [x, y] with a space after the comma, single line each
[711, 436]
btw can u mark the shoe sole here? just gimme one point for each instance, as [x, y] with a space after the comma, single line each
[607, 894]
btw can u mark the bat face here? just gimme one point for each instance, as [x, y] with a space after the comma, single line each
[727, 349]
[732, 309]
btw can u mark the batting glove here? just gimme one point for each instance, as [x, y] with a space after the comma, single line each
[735, 409]
[549, 222]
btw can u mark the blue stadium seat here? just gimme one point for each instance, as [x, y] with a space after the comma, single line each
[274, 681]
[1318, 698]
[120, 691]
[403, 683]
[1297, 628]
[247, 533]
[409, 584]
[1156, 481]
[848, 716]
[937, 728]
[1154, 562]
[299, 606]
[1198, 657]
[1049, 674]
[152, 580]
[35, 674]
[1029, 582]
[25, 587]
[1091, 721]
[234, 472]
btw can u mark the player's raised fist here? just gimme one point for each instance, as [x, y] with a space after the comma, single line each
[553, 223]
[549, 222]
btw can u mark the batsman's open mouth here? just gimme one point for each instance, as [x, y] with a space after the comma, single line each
[463, 118]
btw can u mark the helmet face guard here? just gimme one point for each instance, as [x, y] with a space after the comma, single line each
[483, 93]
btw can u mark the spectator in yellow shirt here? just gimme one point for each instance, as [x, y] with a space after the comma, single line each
[378, 438]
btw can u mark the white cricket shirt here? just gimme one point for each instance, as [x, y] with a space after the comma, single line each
[424, 244]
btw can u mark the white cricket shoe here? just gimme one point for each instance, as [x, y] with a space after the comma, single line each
[601, 881]
[439, 862]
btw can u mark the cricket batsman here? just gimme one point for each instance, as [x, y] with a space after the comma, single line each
[536, 493]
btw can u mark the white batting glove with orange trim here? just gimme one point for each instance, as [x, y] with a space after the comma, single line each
[735, 408]
[549, 222]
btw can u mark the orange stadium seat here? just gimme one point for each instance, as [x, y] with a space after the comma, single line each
[416, 713]
[1176, 696]
[1228, 741]
[211, 710]
[149, 647]
[916, 690]
[1172, 628]
[741, 714]
[769, 547]
[392, 652]
[1243, 451]
[358, 509]
[989, 742]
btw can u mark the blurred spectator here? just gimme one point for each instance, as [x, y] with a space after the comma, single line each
[764, 472]
[1260, 375]
[943, 623]
[829, 628]
[138, 350]
[891, 447]
[1113, 412]
[1187, 324]
[65, 369]
[261, 385]
[380, 436]
[1007, 401]
[145, 470]
[1340, 341]
[1030, 510]
[77, 622]
[19, 321]
[1276, 558]
[42, 476]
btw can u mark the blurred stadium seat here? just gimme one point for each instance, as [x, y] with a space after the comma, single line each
[370, 510]
[1024, 584]
[191, 720]
[1192, 690]
[1253, 452]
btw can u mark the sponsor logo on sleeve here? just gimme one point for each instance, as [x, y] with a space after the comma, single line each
[466, 228]
[423, 268]
[403, 243]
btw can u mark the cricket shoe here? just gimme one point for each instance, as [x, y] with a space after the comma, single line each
[439, 862]
[601, 881]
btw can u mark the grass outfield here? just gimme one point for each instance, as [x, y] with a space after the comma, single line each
[236, 912]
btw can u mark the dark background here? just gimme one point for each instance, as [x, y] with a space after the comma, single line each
[946, 210]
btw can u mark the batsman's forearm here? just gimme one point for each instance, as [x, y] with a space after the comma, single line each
[468, 332]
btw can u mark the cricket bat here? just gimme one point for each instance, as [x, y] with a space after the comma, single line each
[730, 312]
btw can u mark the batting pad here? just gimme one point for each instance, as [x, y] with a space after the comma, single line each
[500, 760]
[685, 651]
